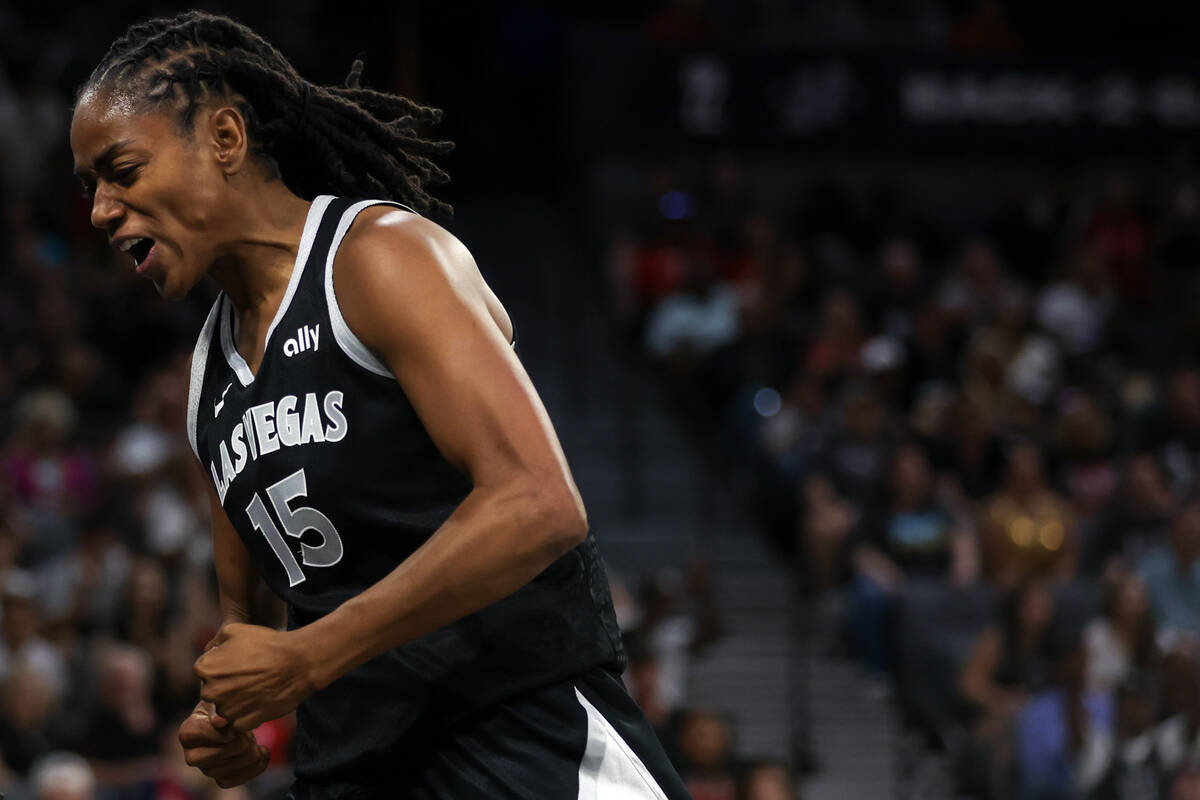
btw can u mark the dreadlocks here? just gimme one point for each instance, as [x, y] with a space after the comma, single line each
[346, 140]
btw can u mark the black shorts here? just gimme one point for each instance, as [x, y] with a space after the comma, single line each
[579, 739]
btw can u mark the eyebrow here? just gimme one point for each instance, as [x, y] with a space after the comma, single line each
[102, 160]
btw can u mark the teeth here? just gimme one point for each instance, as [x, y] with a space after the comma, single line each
[128, 243]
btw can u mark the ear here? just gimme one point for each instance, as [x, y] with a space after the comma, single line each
[227, 137]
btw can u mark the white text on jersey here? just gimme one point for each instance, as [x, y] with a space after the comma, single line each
[306, 338]
[268, 426]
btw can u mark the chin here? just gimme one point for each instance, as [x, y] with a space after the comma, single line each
[171, 285]
[167, 288]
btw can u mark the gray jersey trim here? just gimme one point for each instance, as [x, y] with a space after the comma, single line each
[311, 223]
[351, 345]
[199, 361]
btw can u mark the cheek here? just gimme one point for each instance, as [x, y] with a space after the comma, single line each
[199, 200]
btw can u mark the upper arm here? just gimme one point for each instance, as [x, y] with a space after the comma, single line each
[412, 293]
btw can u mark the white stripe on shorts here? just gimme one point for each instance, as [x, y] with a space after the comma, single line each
[609, 770]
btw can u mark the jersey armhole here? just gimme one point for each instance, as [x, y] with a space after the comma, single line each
[346, 339]
[196, 380]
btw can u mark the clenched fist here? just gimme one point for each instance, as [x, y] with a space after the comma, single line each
[223, 753]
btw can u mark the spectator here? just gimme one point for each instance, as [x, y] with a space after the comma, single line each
[826, 526]
[1121, 640]
[700, 318]
[835, 350]
[1186, 784]
[21, 641]
[1028, 530]
[678, 621]
[974, 457]
[1134, 771]
[856, 458]
[80, 590]
[914, 538]
[705, 755]
[121, 741]
[1076, 309]
[1171, 574]
[1009, 662]
[26, 725]
[55, 481]
[1084, 441]
[1136, 519]
[1177, 737]
[63, 776]
[1176, 436]
[1065, 733]
[767, 780]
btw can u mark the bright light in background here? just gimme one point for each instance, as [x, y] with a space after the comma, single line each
[767, 402]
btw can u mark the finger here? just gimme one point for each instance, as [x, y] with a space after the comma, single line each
[247, 720]
[221, 636]
[238, 777]
[202, 668]
[217, 721]
[234, 764]
[207, 758]
[198, 730]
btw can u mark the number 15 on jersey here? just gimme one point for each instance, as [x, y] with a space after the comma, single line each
[295, 521]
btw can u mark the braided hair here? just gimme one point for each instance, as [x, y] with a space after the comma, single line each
[345, 140]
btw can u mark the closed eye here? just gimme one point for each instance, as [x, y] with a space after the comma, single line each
[126, 176]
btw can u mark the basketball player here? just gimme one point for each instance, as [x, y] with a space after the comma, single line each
[376, 452]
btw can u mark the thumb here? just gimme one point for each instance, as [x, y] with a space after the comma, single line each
[207, 710]
[221, 636]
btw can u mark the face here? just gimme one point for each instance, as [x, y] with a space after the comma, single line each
[1131, 600]
[1037, 608]
[910, 474]
[769, 782]
[152, 187]
[705, 741]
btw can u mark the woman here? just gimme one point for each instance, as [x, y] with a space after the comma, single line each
[1028, 530]
[377, 454]
[1010, 661]
[1120, 641]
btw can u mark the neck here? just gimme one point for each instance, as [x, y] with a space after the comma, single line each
[254, 269]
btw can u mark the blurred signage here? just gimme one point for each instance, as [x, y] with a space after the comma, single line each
[902, 101]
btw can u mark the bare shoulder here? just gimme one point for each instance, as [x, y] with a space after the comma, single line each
[405, 246]
[396, 269]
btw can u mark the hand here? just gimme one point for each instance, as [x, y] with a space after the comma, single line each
[252, 674]
[228, 756]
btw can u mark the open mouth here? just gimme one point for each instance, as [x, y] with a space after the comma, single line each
[138, 248]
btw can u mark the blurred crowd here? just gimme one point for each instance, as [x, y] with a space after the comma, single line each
[981, 447]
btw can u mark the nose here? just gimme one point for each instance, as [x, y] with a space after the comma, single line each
[105, 208]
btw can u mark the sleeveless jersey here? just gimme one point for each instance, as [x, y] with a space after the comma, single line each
[331, 480]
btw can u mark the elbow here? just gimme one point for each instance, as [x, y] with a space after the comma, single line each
[562, 521]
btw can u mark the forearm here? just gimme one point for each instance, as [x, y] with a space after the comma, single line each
[495, 542]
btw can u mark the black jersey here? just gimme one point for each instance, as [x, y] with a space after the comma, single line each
[331, 480]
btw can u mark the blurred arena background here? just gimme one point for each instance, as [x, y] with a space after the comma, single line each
[869, 328]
